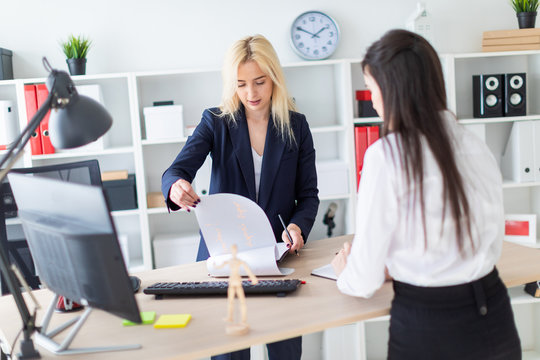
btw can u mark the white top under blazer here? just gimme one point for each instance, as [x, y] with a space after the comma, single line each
[389, 230]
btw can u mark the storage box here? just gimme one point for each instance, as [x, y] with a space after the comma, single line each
[6, 65]
[332, 178]
[365, 106]
[8, 124]
[155, 200]
[163, 122]
[174, 249]
[121, 194]
[511, 40]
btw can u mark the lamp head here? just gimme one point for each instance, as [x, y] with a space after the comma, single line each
[75, 120]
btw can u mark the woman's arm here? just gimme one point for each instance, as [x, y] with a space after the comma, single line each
[376, 223]
[176, 180]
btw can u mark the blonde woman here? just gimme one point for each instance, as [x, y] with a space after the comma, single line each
[261, 149]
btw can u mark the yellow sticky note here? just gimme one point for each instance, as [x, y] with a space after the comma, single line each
[147, 317]
[168, 321]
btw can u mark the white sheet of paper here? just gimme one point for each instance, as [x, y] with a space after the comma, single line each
[227, 219]
[326, 271]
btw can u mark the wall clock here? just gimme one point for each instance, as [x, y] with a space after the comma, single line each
[314, 35]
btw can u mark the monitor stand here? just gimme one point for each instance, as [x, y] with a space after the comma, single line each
[44, 338]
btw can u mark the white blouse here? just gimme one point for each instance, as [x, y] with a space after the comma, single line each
[257, 164]
[389, 230]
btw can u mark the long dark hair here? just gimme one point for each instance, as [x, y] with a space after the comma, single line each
[409, 74]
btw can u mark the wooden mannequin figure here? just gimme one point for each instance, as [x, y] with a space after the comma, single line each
[236, 289]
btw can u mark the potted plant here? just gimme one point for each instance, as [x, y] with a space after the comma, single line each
[76, 49]
[526, 12]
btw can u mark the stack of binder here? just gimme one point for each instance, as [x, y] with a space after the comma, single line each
[35, 96]
[364, 136]
[511, 40]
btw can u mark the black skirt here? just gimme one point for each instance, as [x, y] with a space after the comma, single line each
[468, 321]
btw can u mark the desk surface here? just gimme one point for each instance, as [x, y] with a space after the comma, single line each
[317, 305]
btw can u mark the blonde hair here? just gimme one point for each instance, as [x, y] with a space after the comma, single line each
[257, 48]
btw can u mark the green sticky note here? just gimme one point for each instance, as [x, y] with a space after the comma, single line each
[172, 321]
[147, 317]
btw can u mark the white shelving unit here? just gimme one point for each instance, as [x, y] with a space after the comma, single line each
[324, 91]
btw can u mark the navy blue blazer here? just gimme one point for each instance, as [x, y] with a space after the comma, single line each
[288, 183]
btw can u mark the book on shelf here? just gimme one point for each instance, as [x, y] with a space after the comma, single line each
[46, 146]
[494, 34]
[364, 136]
[228, 219]
[513, 47]
[114, 175]
[31, 109]
[511, 40]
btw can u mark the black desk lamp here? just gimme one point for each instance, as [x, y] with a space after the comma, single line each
[75, 120]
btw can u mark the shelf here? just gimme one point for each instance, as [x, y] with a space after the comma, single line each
[519, 296]
[367, 120]
[75, 154]
[164, 141]
[123, 213]
[327, 129]
[495, 54]
[508, 184]
[160, 210]
[13, 221]
[532, 246]
[8, 82]
[76, 78]
[495, 120]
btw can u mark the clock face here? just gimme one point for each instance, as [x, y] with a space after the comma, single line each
[314, 35]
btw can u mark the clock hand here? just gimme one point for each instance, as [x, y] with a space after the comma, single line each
[312, 34]
[318, 32]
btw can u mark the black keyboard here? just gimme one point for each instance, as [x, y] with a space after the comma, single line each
[278, 287]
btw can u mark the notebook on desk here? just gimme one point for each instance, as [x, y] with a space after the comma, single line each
[326, 271]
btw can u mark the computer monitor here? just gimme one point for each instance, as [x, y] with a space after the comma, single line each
[74, 243]
[12, 238]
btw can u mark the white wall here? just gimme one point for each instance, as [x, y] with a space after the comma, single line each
[136, 35]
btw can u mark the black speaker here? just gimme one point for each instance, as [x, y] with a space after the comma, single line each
[515, 96]
[488, 95]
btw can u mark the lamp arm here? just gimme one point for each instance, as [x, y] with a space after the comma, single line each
[11, 282]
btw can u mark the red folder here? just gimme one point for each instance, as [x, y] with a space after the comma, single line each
[372, 134]
[31, 109]
[46, 145]
[361, 144]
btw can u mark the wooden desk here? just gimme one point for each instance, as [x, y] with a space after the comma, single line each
[317, 305]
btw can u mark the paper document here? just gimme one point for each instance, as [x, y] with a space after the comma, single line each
[227, 219]
[326, 271]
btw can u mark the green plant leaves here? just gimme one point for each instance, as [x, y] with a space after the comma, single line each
[77, 47]
[524, 5]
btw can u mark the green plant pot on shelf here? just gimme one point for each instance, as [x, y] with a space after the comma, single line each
[526, 20]
[76, 66]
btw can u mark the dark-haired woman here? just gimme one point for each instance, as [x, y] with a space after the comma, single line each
[430, 214]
